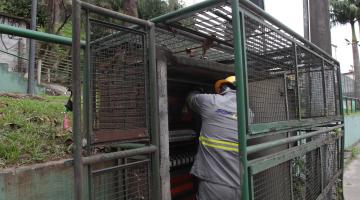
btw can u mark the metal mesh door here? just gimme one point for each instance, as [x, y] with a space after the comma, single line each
[118, 110]
[122, 182]
[119, 83]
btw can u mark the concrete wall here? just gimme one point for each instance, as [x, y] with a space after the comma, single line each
[352, 129]
[14, 82]
[13, 44]
[46, 181]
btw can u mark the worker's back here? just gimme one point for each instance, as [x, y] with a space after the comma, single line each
[217, 158]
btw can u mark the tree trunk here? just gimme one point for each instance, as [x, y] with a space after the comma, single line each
[130, 7]
[356, 61]
[53, 15]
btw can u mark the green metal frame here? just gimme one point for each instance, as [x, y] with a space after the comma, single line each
[37, 35]
[245, 130]
[241, 94]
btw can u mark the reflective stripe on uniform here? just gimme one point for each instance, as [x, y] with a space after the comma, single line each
[219, 144]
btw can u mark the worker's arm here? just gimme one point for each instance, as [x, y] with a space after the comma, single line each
[199, 102]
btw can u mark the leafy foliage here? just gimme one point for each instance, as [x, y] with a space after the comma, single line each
[343, 11]
[152, 8]
[22, 8]
[147, 8]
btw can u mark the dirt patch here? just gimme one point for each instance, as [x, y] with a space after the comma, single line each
[20, 96]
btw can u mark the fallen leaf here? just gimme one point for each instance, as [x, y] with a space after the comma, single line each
[36, 119]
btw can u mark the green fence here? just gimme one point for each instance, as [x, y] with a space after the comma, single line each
[351, 105]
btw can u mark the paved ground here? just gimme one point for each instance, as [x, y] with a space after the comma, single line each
[352, 179]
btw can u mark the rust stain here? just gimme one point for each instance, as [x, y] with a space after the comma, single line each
[116, 135]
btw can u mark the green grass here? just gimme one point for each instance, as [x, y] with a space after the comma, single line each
[31, 131]
[354, 151]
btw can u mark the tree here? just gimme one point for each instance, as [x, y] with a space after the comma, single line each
[130, 7]
[344, 12]
[22, 8]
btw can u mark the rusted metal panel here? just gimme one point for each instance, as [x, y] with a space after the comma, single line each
[119, 135]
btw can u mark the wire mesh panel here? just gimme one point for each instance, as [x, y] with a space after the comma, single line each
[337, 88]
[304, 176]
[273, 183]
[119, 83]
[52, 65]
[270, 60]
[54, 61]
[313, 173]
[348, 84]
[291, 86]
[122, 182]
[311, 86]
[331, 90]
[212, 29]
[330, 165]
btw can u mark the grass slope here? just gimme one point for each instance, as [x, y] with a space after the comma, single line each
[31, 130]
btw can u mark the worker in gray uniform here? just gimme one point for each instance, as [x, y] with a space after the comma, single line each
[217, 164]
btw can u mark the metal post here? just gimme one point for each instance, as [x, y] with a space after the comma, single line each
[306, 19]
[338, 73]
[324, 88]
[86, 85]
[322, 160]
[155, 162]
[87, 100]
[286, 98]
[288, 134]
[297, 81]
[76, 89]
[48, 75]
[240, 65]
[31, 70]
[163, 124]
[39, 68]
[337, 103]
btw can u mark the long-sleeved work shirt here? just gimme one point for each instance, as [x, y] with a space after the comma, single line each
[217, 159]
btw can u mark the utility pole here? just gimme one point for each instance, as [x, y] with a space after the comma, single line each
[320, 24]
[31, 68]
[306, 19]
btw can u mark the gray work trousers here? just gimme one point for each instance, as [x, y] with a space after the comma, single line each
[212, 191]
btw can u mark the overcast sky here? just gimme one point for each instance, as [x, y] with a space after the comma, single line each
[290, 13]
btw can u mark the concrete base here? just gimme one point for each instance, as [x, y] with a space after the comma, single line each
[352, 179]
[46, 181]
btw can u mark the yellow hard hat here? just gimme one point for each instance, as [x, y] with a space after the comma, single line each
[220, 83]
